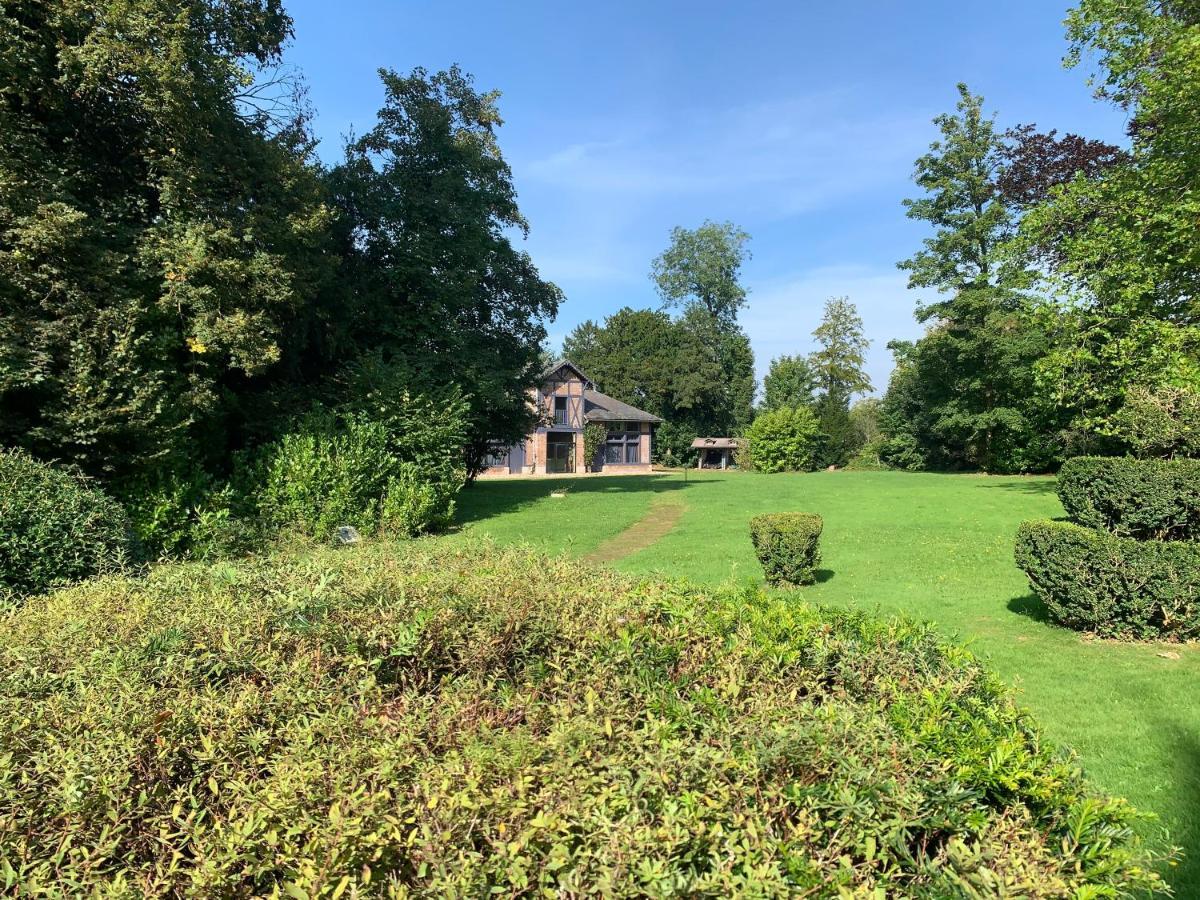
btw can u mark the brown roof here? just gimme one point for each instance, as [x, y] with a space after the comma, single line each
[722, 443]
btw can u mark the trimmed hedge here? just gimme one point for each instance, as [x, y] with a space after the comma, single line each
[439, 720]
[788, 546]
[1113, 586]
[1147, 499]
[55, 528]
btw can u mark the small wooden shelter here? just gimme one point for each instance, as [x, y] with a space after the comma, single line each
[715, 452]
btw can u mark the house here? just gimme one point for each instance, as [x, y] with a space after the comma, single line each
[567, 400]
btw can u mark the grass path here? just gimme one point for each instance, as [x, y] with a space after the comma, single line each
[934, 547]
[665, 511]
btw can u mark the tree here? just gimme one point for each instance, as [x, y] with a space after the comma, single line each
[701, 267]
[790, 381]
[163, 234]
[1127, 262]
[839, 367]
[435, 286]
[973, 370]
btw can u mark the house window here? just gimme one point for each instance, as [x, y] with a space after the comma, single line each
[560, 410]
[624, 443]
[497, 456]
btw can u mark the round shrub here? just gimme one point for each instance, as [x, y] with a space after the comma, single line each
[55, 528]
[1112, 586]
[784, 440]
[1147, 499]
[788, 546]
[440, 720]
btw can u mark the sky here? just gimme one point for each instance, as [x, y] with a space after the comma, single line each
[798, 121]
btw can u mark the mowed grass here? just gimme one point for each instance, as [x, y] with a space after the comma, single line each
[932, 547]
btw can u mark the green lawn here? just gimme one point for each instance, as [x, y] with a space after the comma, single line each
[935, 547]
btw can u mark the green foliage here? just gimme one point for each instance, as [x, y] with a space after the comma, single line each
[55, 528]
[672, 444]
[162, 240]
[434, 286]
[1125, 252]
[967, 390]
[1113, 586]
[695, 375]
[594, 436]
[442, 721]
[784, 440]
[701, 267]
[356, 470]
[1144, 499]
[902, 452]
[790, 381]
[787, 546]
[1160, 423]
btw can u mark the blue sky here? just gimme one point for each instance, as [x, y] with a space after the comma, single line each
[799, 121]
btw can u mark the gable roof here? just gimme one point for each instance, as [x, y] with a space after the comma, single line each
[559, 364]
[716, 443]
[598, 407]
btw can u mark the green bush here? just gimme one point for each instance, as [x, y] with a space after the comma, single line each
[1148, 499]
[784, 440]
[440, 720]
[788, 546]
[903, 451]
[360, 471]
[55, 528]
[1113, 586]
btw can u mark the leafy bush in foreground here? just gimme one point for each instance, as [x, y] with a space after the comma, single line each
[55, 528]
[787, 546]
[442, 720]
[1113, 586]
[1147, 499]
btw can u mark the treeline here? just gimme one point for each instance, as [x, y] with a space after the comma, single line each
[182, 281]
[1062, 314]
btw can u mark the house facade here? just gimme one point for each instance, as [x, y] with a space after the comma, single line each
[567, 400]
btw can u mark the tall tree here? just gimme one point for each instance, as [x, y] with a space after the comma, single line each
[1127, 244]
[838, 363]
[162, 233]
[700, 272]
[790, 382]
[436, 287]
[702, 267]
[974, 368]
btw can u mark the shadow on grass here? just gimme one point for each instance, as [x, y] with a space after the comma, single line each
[1040, 486]
[497, 496]
[1031, 606]
[823, 575]
[1185, 876]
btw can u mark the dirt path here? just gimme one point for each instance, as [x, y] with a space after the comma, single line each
[664, 512]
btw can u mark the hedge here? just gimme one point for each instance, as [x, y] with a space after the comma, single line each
[1113, 586]
[445, 719]
[1147, 499]
[55, 528]
[788, 546]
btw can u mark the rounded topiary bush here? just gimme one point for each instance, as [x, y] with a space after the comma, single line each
[1112, 586]
[55, 528]
[448, 720]
[788, 546]
[1148, 499]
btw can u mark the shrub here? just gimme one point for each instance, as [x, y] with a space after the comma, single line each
[1160, 423]
[784, 440]
[1113, 586]
[787, 545]
[1148, 499]
[594, 436]
[440, 720]
[55, 528]
[355, 470]
[903, 451]
[868, 458]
